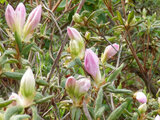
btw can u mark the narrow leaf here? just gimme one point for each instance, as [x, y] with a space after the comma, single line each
[5, 103]
[20, 117]
[12, 111]
[117, 112]
[44, 99]
[119, 17]
[13, 75]
[130, 17]
[114, 75]
[99, 100]
[100, 111]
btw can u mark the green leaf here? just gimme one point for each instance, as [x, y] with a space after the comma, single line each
[12, 111]
[20, 117]
[9, 52]
[119, 17]
[71, 64]
[18, 41]
[100, 111]
[44, 99]
[99, 100]
[135, 116]
[125, 91]
[42, 82]
[130, 17]
[5, 103]
[35, 113]
[13, 75]
[76, 113]
[91, 111]
[36, 48]
[114, 75]
[27, 48]
[95, 13]
[12, 60]
[117, 112]
[78, 61]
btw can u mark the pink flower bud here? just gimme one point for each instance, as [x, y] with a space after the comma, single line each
[33, 20]
[20, 16]
[10, 17]
[109, 52]
[157, 117]
[73, 33]
[70, 83]
[91, 64]
[16, 19]
[83, 85]
[16, 97]
[77, 47]
[141, 97]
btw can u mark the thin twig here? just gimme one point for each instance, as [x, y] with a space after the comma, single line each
[65, 116]
[52, 15]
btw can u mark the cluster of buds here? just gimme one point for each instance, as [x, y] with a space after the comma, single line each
[27, 90]
[77, 89]
[76, 45]
[109, 52]
[16, 19]
[91, 64]
[141, 97]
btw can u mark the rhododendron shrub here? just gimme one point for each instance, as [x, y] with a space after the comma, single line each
[79, 60]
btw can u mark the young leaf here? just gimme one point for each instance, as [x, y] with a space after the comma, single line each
[27, 48]
[99, 100]
[113, 76]
[20, 117]
[124, 91]
[100, 111]
[5, 103]
[12, 111]
[44, 99]
[117, 112]
[135, 116]
[76, 113]
[13, 75]
[130, 17]
[35, 113]
[119, 17]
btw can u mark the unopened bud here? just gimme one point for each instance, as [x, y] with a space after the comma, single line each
[16, 19]
[77, 47]
[77, 18]
[109, 52]
[157, 117]
[27, 85]
[142, 108]
[17, 98]
[70, 85]
[87, 35]
[91, 64]
[10, 17]
[32, 21]
[82, 86]
[141, 97]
